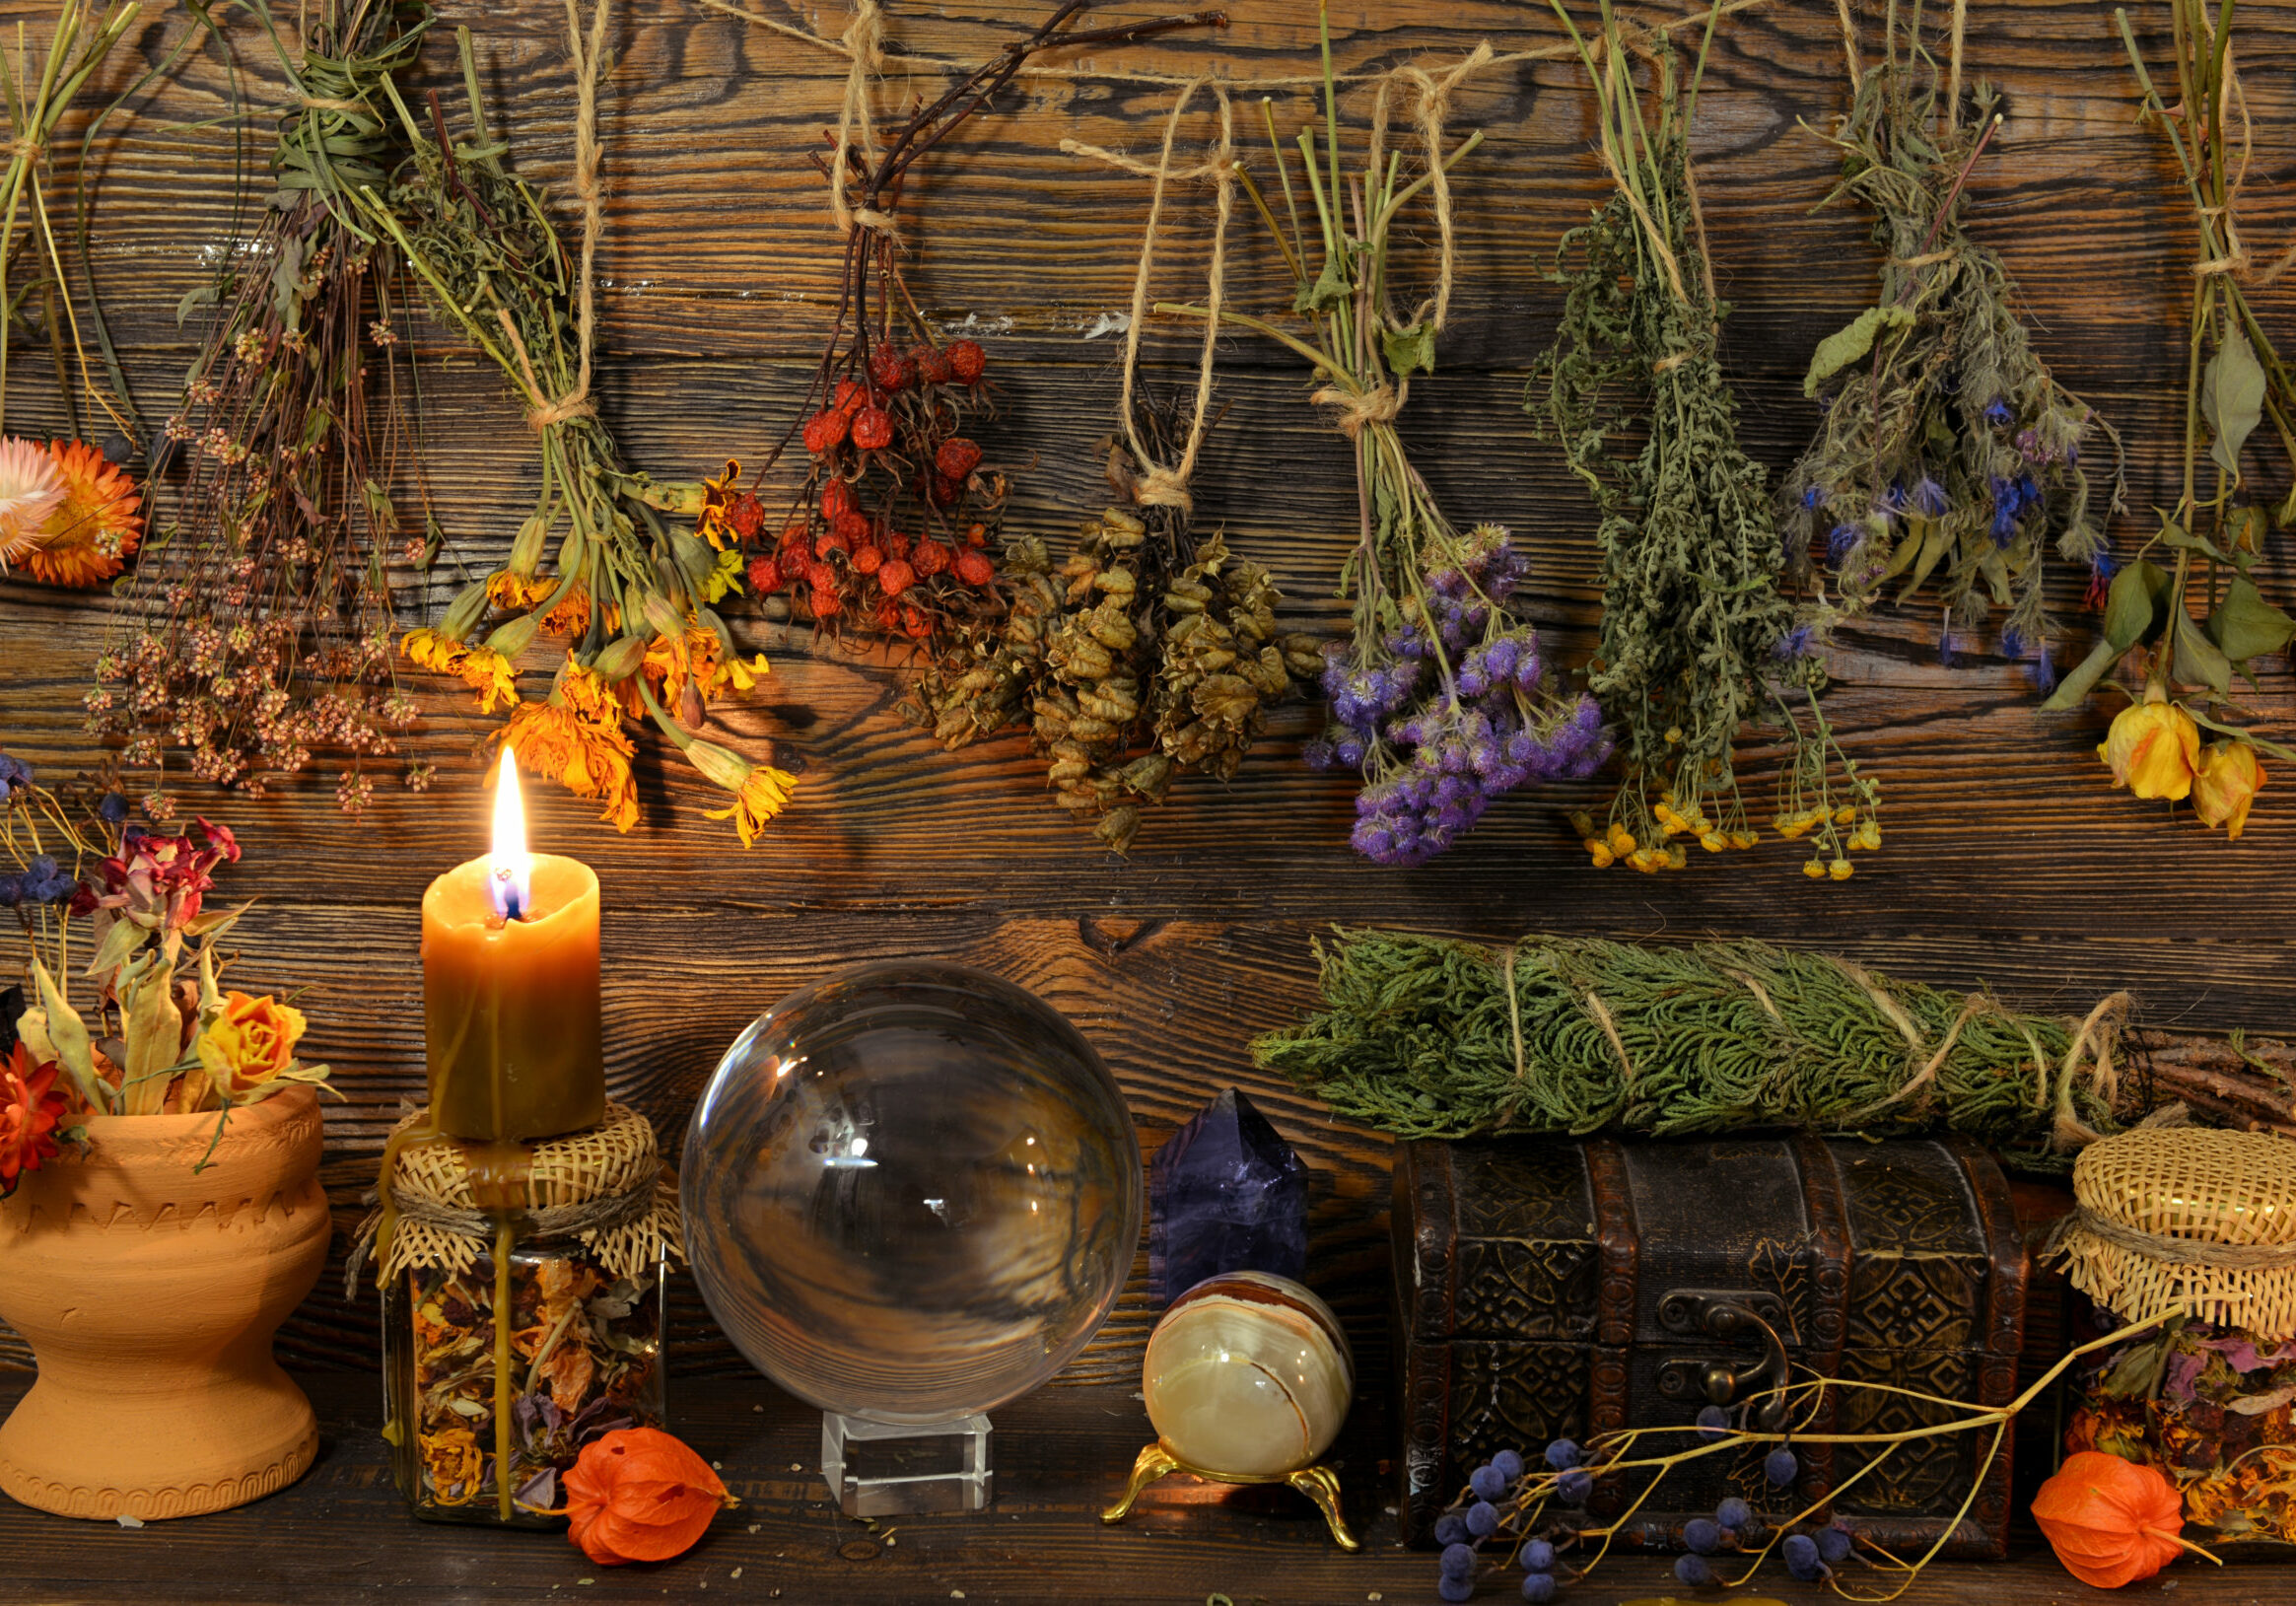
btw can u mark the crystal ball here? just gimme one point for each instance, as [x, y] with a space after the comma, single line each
[911, 1192]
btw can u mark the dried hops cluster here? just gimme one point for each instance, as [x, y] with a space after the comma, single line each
[898, 512]
[1450, 707]
[1130, 664]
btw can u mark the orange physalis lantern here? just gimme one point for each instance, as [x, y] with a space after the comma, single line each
[638, 1494]
[2111, 1521]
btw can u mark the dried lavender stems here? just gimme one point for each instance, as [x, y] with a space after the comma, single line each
[1440, 698]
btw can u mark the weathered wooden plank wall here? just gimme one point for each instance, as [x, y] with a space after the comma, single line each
[2007, 859]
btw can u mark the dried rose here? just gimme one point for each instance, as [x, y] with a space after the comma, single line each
[2225, 784]
[249, 1045]
[2152, 748]
[639, 1495]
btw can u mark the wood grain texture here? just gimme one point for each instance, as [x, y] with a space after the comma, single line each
[2008, 860]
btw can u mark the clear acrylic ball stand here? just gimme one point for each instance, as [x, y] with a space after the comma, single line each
[878, 1469]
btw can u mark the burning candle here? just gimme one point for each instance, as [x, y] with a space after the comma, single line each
[511, 989]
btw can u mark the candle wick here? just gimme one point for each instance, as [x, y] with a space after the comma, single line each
[507, 905]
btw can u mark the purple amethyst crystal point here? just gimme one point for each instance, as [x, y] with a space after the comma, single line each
[1225, 1193]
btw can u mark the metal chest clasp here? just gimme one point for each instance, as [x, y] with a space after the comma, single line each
[1727, 1316]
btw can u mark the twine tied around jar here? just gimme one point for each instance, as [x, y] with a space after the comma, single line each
[2186, 1218]
[604, 1187]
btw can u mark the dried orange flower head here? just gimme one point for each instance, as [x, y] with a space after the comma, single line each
[639, 1495]
[2110, 1521]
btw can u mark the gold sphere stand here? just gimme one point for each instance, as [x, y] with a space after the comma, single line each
[1318, 1483]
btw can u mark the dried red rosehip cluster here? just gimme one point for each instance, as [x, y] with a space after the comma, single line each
[899, 514]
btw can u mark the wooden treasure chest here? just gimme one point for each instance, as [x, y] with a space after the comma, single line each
[1553, 1288]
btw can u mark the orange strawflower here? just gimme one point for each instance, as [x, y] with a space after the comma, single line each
[31, 1106]
[30, 490]
[96, 527]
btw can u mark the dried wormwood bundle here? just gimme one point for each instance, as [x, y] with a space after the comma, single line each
[1697, 637]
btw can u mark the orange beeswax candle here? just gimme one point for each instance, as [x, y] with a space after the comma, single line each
[511, 991]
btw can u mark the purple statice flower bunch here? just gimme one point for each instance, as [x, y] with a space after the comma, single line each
[1451, 708]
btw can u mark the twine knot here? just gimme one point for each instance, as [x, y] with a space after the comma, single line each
[1357, 408]
[2171, 1251]
[1163, 487]
[574, 404]
[868, 217]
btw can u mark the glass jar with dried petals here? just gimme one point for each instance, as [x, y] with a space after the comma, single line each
[522, 1305]
[585, 1359]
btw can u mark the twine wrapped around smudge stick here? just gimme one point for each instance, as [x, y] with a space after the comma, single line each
[1429, 1038]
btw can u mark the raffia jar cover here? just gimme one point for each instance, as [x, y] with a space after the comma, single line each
[605, 1186]
[2187, 1219]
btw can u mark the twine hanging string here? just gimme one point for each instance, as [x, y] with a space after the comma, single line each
[863, 42]
[1431, 111]
[845, 47]
[589, 61]
[1952, 69]
[2235, 258]
[1159, 485]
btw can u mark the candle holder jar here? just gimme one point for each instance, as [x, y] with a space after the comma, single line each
[554, 1259]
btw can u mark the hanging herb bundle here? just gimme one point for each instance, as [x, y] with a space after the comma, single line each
[1697, 637]
[262, 631]
[2234, 382]
[897, 518]
[1440, 698]
[1148, 653]
[1948, 449]
[68, 512]
[630, 598]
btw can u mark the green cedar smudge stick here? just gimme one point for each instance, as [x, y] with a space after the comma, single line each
[1426, 1037]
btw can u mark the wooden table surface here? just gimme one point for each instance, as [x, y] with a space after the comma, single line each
[1060, 1457]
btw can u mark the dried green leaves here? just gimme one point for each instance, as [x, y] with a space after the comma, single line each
[1845, 346]
[1948, 455]
[2232, 400]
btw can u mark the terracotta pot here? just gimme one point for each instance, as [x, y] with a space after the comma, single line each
[149, 1293]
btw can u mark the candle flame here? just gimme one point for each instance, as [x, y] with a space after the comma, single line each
[511, 867]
